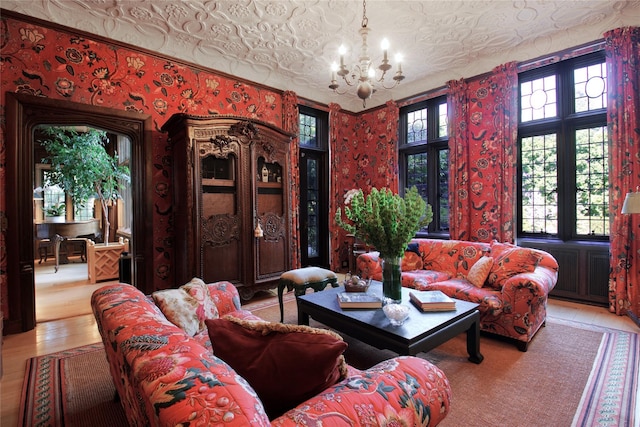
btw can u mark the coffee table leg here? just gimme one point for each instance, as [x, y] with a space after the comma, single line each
[473, 340]
[303, 318]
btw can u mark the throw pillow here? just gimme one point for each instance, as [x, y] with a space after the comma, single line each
[285, 364]
[479, 272]
[411, 261]
[179, 308]
[207, 308]
[510, 262]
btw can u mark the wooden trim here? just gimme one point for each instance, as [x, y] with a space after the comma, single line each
[24, 113]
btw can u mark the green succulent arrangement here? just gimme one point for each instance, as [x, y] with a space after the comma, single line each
[385, 220]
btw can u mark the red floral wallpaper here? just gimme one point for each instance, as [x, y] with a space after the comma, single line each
[364, 155]
[291, 123]
[45, 62]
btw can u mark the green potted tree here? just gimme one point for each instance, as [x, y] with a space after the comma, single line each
[83, 168]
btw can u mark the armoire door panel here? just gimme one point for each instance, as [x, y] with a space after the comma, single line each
[268, 264]
[221, 263]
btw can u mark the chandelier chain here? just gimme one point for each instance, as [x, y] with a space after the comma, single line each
[365, 20]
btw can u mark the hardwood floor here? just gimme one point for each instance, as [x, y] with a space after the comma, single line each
[63, 294]
[52, 336]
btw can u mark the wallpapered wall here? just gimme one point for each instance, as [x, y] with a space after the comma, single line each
[60, 65]
[364, 155]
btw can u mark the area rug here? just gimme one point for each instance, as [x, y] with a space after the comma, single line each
[70, 388]
[573, 374]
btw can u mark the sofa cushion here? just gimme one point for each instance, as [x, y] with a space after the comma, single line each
[510, 261]
[179, 308]
[285, 364]
[420, 279]
[479, 272]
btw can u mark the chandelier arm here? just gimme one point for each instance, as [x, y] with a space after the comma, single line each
[350, 81]
[395, 83]
[335, 90]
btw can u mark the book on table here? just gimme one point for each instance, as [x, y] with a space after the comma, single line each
[432, 301]
[359, 300]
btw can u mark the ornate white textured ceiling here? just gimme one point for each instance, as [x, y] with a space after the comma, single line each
[290, 44]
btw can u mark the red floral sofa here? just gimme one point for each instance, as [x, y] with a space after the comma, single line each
[510, 283]
[167, 375]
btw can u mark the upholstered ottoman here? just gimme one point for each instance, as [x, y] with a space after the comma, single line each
[301, 279]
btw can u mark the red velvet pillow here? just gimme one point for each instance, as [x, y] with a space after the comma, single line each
[285, 364]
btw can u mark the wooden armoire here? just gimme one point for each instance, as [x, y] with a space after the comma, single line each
[231, 200]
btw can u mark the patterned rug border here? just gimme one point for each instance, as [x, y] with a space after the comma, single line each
[609, 398]
[42, 389]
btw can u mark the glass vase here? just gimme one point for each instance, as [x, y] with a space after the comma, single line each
[391, 280]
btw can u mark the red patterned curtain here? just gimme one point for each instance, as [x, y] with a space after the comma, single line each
[622, 47]
[458, 106]
[340, 133]
[291, 123]
[483, 156]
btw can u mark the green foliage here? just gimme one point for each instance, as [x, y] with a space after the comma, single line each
[82, 166]
[57, 209]
[385, 220]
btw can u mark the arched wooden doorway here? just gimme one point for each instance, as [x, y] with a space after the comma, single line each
[24, 113]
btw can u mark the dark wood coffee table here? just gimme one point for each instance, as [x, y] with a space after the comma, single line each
[420, 333]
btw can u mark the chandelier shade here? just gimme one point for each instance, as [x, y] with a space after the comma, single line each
[363, 74]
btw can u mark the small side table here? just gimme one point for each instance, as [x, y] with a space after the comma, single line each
[300, 279]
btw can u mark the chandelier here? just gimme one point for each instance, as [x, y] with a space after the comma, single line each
[363, 74]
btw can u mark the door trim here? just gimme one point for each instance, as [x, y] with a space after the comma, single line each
[24, 113]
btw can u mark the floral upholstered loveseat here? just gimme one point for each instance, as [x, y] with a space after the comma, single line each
[510, 283]
[167, 375]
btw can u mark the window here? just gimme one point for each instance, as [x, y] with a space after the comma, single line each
[125, 203]
[314, 186]
[308, 130]
[85, 211]
[564, 150]
[424, 158]
[53, 195]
